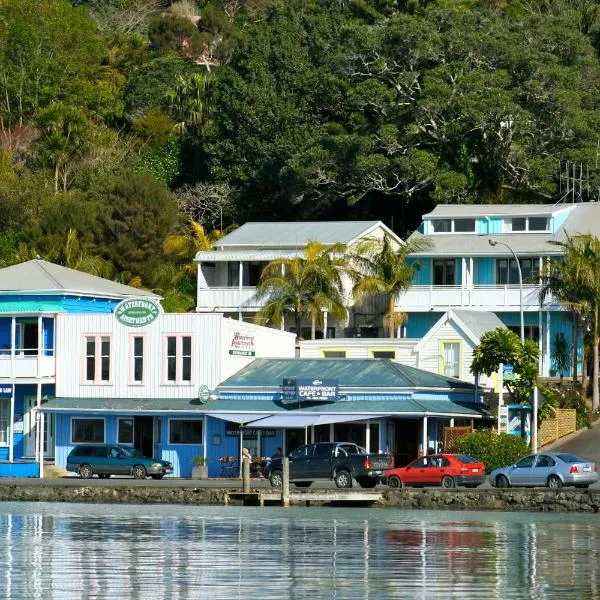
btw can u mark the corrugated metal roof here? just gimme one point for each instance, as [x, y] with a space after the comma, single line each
[31, 306]
[479, 322]
[44, 276]
[123, 405]
[250, 254]
[359, 373]
[295, 234]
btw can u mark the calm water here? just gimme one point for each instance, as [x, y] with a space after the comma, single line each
[104, 551]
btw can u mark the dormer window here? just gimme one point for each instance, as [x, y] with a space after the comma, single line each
[453, 225]
[521, 224]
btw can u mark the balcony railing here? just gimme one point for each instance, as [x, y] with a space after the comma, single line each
[479, 297]
[228, 299]
[26, 364]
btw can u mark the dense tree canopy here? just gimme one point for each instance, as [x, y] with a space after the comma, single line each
[286, 110]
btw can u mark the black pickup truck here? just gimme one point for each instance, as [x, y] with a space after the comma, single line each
[339, 461]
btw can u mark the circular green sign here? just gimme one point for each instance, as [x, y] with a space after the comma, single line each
[137, 312]
[203, 394]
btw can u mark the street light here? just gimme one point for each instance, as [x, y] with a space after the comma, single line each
[494, 242]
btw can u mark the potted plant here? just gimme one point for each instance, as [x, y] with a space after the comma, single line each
[200, 468]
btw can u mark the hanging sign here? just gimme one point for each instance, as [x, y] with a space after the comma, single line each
[310, 390]
[503, 419]
[137, 312]
[242, 344]
[6, 391]
[233, 430]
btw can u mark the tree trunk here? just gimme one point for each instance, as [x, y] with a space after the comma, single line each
[391, 310]
[595, 388]
[298, 324]
[313, 327]
[575, 340]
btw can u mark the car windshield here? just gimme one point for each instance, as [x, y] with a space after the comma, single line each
[466, 459]
[132, 453]
[570, 458]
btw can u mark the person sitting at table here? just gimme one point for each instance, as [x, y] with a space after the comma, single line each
[278, 453]
[246, 454]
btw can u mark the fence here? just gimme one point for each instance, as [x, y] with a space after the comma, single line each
[452, 433]
[564, 422]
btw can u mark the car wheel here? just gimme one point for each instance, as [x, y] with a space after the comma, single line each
[367, 482]
[139, 472]
[86, 472]
[303, 484]
[103, 475]
[395, 482]
[554, 482]
[448, 482]
[502, 482]
[276, 479]
[343, 479]
[158, 476]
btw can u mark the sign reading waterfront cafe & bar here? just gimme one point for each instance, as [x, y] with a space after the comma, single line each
[137, 312]
[310, 390]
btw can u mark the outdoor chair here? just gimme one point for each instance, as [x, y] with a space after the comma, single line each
[228, 466]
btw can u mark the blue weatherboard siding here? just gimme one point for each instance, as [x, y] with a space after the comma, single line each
[484, 271]
[560, 322]
[558, 220]
[513, 319]
[459, 275]
[5, 324]
[88, 305]
[48, 335]
[481, 226]
[418, 324]
[495, 225]
[423, 272]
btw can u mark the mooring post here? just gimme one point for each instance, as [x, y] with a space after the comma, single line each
[285, 484]
[246, 476]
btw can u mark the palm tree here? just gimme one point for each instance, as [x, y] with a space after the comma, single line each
[190, 102]
[386, 269]
[576, 283]
[304, 286]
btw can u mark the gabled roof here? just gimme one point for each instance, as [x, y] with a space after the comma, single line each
[350, 372]
[298, 234]
[44, 277]
[474, 323]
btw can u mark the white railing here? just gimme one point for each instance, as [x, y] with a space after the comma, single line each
[479, 297]
[221, 299]
[21, 366]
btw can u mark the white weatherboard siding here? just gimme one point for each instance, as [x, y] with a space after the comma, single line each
[205, 331]
[362, 348]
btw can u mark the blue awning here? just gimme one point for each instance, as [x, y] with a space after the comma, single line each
[291, 420]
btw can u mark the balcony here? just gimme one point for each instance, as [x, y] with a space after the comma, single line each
[479, 297]
[21, 366]
[228, 299]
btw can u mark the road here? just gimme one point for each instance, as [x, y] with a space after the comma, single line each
[585, 444]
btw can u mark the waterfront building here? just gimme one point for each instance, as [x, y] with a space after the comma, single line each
[471, 265]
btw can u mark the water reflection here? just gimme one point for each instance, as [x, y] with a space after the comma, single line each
[99, 551]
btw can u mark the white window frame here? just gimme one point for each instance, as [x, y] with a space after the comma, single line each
[178, 359]
[186, 444]
[132, 357]
[452, 225]
[119, 419]
[103, 419]
[507, 228]
[5, 421]
[97, 359]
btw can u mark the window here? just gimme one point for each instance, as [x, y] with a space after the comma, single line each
[520, 224]
[464, 225]
[507, 272]
[443, 271]
[334, 354]
[384, 354]
[538, 224]
[253, 271]
[138, 358]
[532, 332]
[125, 431]
[233, 274]
[303, 452]
[185, 432]
[525, 463]
[441, 225]
[179, 358]
[545, 461]
[87, 431]
[451, 359]
[4, 420]
[97, 358]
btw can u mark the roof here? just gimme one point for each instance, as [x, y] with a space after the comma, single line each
[234, 410]
[249, 254]
[32, 306]
[297, 234]
[474, 323]
[350, 372]
[41, 276]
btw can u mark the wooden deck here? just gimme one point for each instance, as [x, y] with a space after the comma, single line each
[259, 498]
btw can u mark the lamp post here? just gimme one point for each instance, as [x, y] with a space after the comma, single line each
[494, 242]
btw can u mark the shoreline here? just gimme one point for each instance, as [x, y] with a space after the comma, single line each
[489, 499]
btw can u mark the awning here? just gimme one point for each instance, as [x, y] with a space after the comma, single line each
[240, 418]
[288, 421]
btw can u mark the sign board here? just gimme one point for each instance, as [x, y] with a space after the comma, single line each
[503, 419]
[203, 394]
[6, 391]
[242, 344]
[233, 430]
[18, 424]
[508, 373]
[137, 312]
[310, 390]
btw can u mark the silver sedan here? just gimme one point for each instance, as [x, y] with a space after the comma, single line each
[552, 469]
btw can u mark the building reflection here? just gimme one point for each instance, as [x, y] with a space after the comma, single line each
[296, 553]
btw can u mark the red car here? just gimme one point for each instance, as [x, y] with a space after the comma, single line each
[447, 470]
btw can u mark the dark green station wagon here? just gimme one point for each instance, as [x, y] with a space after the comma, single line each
[105, 460]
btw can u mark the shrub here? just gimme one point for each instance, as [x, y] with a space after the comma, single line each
[564, 397]
[493, 449]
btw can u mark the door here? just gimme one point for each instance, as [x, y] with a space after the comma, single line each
[30, 429]
[544, 467]
[300, 462]
[321, 461]
[417, 472]
[439, 468]
[143, 438]
[522, 472]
